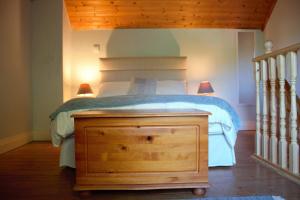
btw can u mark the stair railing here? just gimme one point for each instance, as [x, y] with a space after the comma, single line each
[276, 140]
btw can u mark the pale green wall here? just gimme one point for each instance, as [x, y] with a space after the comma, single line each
[15, 102]
[143, 42]
[46, 59]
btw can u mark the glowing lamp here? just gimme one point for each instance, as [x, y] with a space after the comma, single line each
[85, 90]
[205, 88]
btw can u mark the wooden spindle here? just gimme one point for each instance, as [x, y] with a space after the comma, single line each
[282, 112]
[258, 129]
[265, 136]
[293, 147]
[273, 110]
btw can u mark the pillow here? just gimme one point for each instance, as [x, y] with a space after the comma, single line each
[140, 86]
[108, 89]
[171, 87]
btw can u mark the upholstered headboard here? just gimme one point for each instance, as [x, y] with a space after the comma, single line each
[159, 68]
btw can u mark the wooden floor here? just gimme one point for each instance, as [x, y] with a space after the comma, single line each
[32, 172]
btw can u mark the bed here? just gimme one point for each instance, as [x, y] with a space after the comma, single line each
[222, 126]
[131, 87]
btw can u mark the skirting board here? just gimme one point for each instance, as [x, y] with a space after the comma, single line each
[248, 125]
[277, 169]
[41, 136]
[15, 141]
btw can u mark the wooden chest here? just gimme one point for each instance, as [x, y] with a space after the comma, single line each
[141, 149]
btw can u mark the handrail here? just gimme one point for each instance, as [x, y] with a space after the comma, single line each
[294, 47]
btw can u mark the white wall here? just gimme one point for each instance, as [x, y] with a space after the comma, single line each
[67, 50]
[15, 102]
[283, 28]
[245, 66]
[211, 53]
[46, 59]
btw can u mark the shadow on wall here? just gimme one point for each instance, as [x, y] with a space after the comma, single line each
[142, 42]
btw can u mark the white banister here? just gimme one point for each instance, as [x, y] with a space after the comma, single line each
[282, 113]
[293, 147]
[258, 127]
[265, 136]
[276, 138]
[273, 110]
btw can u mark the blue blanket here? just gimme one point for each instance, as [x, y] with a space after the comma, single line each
[127, 100]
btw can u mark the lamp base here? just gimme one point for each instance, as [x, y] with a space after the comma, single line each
[206, 94]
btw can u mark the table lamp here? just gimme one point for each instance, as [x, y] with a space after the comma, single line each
[85, 90]
[205, 88]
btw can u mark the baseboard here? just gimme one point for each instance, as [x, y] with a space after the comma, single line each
[248, 125]
[15, 141]
[41, 136]
[283, 172]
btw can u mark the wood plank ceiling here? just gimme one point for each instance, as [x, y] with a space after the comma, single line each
[111, 14]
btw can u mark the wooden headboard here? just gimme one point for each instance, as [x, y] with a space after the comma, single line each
[159, 68]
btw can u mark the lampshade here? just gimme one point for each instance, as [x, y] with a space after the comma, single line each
[205, 87]
[84, 89]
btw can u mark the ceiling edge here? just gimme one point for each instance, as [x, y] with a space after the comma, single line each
[269, 15]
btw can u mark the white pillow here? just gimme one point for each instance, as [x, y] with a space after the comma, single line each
[108, 89]
[171, 87]
[141, 86]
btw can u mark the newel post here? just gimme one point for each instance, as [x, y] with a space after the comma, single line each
[265, 113]
[268, 46]
[273, 105]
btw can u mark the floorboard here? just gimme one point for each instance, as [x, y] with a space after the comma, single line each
[32, 172]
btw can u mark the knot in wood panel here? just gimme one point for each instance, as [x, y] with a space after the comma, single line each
[149, 139]
[123, 147]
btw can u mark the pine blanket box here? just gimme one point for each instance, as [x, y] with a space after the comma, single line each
[141, 149]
